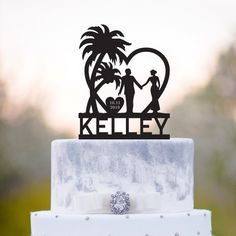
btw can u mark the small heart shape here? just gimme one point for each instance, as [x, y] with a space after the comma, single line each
[114, 105]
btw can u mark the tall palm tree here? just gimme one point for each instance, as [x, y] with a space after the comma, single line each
[108, 74]
[100, 42]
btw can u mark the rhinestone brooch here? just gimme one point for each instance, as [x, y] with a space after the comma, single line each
[120, 203]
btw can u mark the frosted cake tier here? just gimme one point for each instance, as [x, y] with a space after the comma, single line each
[197, 222]
[158, 175]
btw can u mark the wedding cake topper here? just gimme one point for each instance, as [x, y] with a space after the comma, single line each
[104, 48]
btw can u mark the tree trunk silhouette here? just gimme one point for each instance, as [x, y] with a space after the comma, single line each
[93, 93]
[88, 80]
[100, 85]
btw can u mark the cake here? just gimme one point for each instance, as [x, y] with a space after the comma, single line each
[156, 175]
[113, 181]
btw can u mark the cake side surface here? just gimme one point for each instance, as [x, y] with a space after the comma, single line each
[196, 222]
[157, 174]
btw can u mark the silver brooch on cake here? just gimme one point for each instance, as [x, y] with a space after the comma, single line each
[120, 203]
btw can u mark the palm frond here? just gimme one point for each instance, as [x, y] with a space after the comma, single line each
[106, 29]
[114, 45]
[107, 66]
[116, 33]
[101, 67]
[112, 57]
[86, 41]
[117, 77]
[121, 46]
[89, 34]
[97, 29]
[98, 77]
[121, 42]
[117, 80]
[121, 55]
[92, 58]
[87, 49]
[116, 71]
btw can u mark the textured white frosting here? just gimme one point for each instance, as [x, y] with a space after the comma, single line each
[196, 222]
[158, 175]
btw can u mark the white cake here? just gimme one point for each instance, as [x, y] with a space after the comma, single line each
[157, 175]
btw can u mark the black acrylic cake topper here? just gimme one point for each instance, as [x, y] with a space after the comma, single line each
[100, 42]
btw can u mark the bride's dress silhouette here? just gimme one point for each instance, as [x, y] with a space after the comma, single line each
[154, 91]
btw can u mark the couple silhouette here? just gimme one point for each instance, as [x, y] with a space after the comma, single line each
[128, 82]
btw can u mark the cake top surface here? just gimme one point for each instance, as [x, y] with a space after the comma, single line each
[171, 140]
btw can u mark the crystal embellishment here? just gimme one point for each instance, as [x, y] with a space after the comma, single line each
[120, 203]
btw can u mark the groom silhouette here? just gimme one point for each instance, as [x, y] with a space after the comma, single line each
[128, 82]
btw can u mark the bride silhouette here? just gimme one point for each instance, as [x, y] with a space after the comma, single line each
[154, 91]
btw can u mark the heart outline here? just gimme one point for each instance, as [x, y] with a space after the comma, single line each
[128, 58]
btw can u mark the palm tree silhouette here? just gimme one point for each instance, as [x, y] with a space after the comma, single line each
[108, 74]
[100, 42]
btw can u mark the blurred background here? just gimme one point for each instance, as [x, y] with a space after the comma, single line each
[42, 89]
